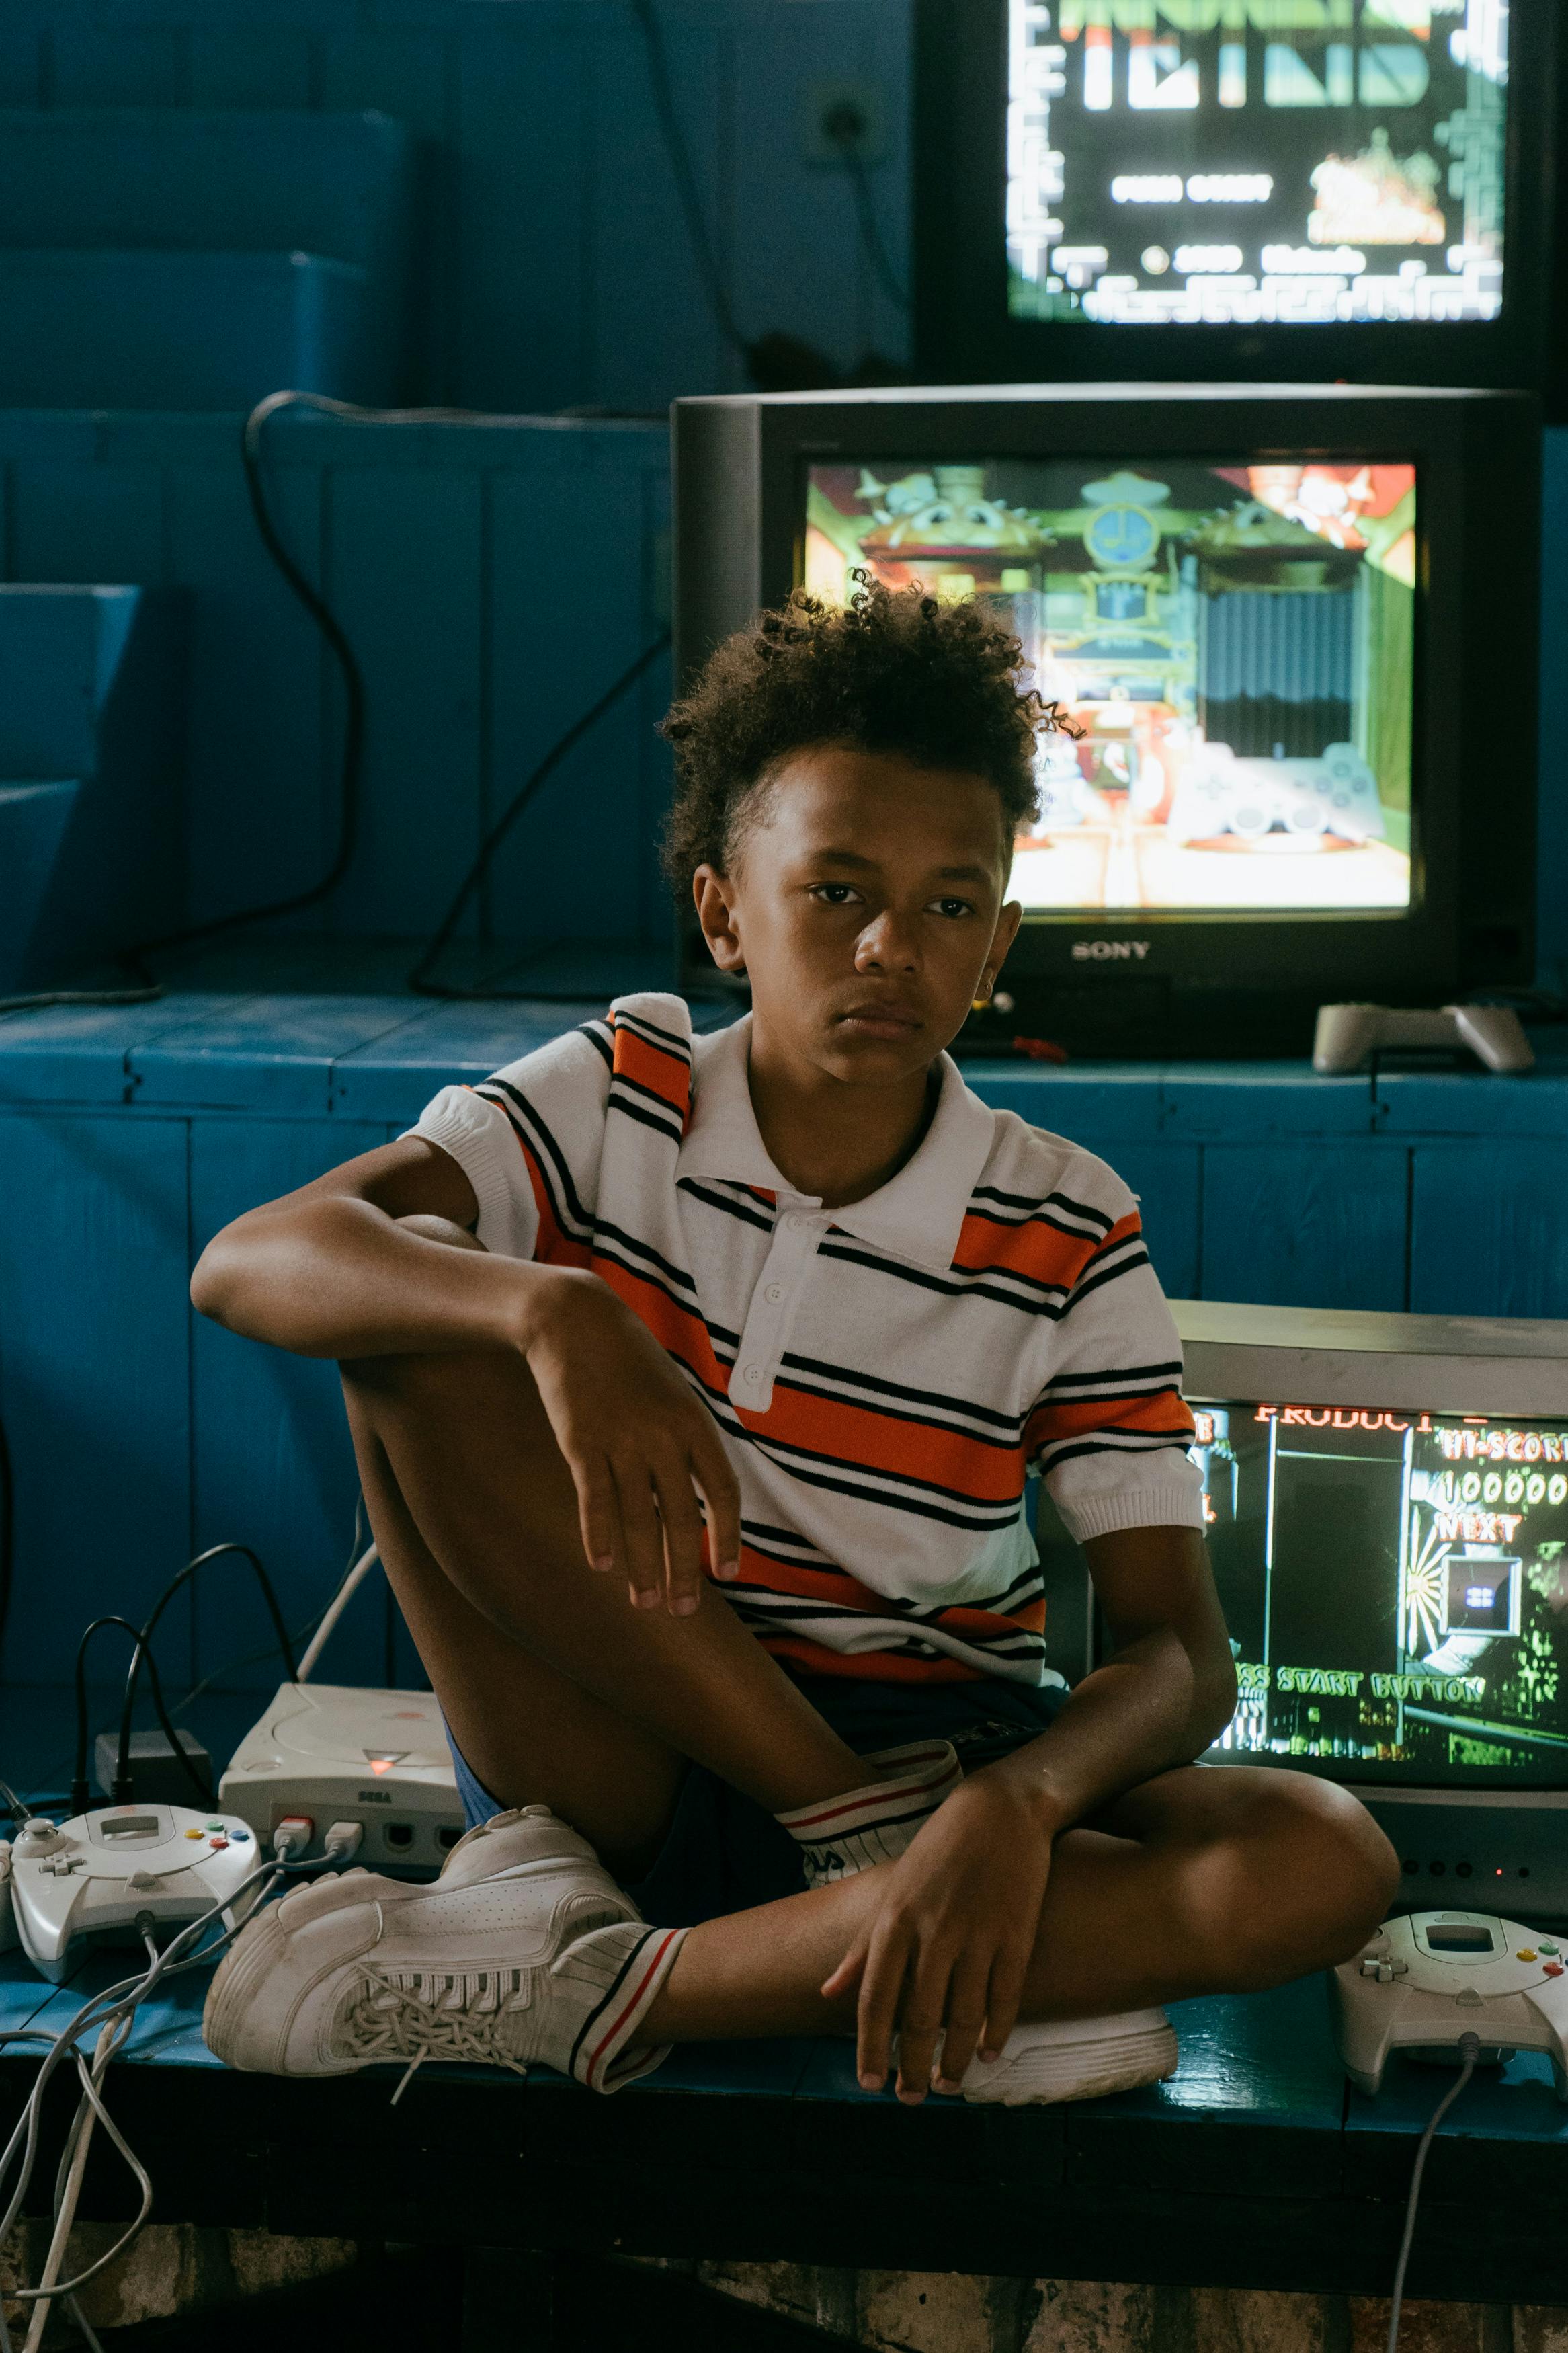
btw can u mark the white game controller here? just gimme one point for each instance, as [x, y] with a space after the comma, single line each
[1425, 1979]
[99, 1875]
[1348, 1036]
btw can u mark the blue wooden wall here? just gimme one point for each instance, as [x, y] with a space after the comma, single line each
[554, 267]
[493, 580]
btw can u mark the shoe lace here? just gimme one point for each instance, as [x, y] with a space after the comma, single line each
[433, 2015]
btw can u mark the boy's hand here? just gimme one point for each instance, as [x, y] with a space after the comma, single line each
[949, 1949]
[640, 1447]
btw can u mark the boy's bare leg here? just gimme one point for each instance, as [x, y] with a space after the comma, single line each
[557, 1689]
[1202, 1881]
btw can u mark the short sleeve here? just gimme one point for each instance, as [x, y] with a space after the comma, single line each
[1110, 1430]
[529, 1141]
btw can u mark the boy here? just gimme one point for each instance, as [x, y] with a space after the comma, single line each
[794, 1281]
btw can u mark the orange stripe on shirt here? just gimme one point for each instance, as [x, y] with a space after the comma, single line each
[663, 1074]
[1041, 1252]
[1162, 1415]
[885, 1442]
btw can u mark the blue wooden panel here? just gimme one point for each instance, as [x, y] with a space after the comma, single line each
[78, 1054]
[239, 64]
[262, 784]
[548, 667]
[1514, 2102]
[1476, 1103]
[1242, 1100]
[262, 1053]
[96, 523]
[1095, 1104]
[459, 1044]
[1323, 1225]
[651, 326]
[522, 340]
[19, 62]
[1488, 1232]
[1167, 1179]
[273, 1465]
[410, 75]
[95, 64]
[407, 562]
[93, 1372]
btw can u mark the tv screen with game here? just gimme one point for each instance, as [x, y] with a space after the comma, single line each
[1289, 630]
[1168, 186]
[1231, 643]
[1173, 166]
[1396, 1584]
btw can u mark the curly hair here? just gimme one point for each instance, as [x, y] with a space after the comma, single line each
[894, 670]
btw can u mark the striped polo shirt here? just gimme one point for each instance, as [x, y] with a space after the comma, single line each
[886, 1375]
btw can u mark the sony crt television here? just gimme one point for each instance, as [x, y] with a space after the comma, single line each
[1387, 1508]
[1331, 189]
[1292, 630]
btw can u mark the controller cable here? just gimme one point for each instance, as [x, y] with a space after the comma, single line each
[111, 2015]
[123, 1778]
[1469, 2044]
[81, 1791]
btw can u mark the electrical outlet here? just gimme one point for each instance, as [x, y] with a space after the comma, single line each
[843, 123]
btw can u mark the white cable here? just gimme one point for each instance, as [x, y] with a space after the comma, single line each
[1469, 2044]
[112, 2013]
[339, 1603]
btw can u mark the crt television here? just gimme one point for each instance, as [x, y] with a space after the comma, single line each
[1387, 1507]
[1356, 188]
[1293, 628]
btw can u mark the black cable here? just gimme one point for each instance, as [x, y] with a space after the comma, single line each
[299, 1634]
[121, 1794]
[419, 979]
[214, 1552]
[1470, 2046]
[685, 177]
[846, 126]
[14, 1806]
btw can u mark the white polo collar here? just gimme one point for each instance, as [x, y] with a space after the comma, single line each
[918, 1214]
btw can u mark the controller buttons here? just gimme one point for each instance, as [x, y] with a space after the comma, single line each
[1525, 1953]
[1549, 1949]
[218, 1845]
[1553, 1968]
[60, 1866]
[239, 1835]
[1400, 1969]
[196, 1834]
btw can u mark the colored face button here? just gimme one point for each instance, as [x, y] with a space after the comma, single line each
[1553, 1969]
[1525, 1953]
[196, 1834]
[218, 1845]
[1544, 1948]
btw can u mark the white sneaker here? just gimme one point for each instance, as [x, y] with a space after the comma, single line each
[523, 1950]
[1076, 2059]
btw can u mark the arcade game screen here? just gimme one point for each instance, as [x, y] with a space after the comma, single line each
[1234, 644]
[1396, 1590]
[1171, 162]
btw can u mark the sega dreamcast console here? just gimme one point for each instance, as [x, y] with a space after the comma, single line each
[1428, 1978]
[335, 1753]
[104, 1876]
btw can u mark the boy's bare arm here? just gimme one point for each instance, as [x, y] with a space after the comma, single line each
[332, 1270]
[329, 1272]
[1167, 1690]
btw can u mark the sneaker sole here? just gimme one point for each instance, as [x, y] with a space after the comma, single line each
[1076, 2071]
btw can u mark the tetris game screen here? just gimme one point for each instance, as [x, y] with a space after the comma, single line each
[1234, 644]
[1184, 163]
[1396, 1590]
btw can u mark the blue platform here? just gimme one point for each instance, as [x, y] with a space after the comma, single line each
[128, 1136]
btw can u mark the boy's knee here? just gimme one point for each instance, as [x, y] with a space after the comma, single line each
[1310, 1876]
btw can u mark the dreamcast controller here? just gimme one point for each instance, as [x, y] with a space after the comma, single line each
[1425, 1979]
[1347, 1036]
[101, 1874]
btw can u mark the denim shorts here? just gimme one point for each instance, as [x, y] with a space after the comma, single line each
[723, 1852]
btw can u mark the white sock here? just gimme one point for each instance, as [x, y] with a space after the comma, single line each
[840, 1836]
[622, 1969]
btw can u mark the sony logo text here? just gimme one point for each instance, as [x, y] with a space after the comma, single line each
[1109, 951]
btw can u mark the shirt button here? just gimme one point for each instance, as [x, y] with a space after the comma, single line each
[773, 1293]
[753, 1373]
[792, 1224]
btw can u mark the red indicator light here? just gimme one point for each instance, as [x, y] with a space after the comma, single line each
[381, 1764]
